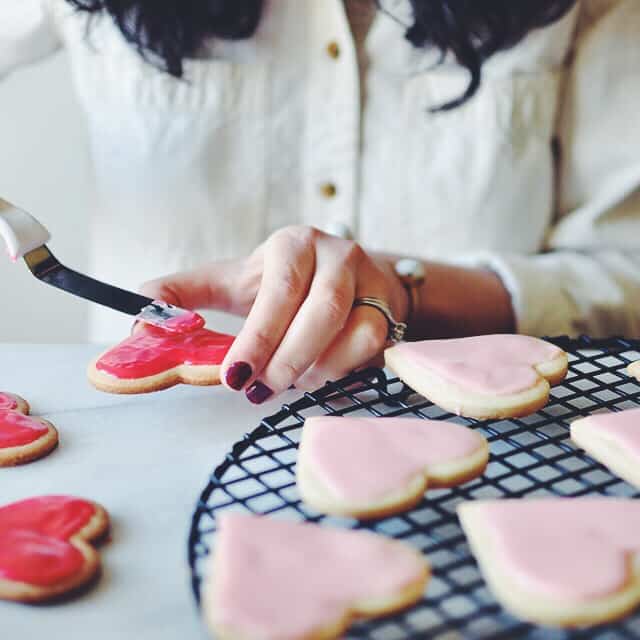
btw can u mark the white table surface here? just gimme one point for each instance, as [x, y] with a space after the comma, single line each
[145, 459]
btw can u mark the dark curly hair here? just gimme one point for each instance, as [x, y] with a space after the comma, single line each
[472, 30]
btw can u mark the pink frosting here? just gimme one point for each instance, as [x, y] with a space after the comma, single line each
[622, 427]
[576, 549]
[496, 364]
[277, 579]
[7, 402]
[364, 459]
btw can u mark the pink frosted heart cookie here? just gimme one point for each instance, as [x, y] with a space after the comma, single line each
[153, 359]
[495, 376]
[372, 467]
[634, 370]
[558, 561]
[282, 580]
[22, 437]
[613, 439]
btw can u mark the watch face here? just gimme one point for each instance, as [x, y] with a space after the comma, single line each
[410, 269]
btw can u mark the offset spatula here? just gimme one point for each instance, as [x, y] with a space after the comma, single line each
[26, 238]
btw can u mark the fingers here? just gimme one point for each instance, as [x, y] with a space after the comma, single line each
[289, 265]
[320, 319]
[204, 287]
[366, 332]
[229, 285]
[360, 343]
[298, 289]
[303, 328]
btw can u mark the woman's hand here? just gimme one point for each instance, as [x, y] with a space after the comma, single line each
[297, 291]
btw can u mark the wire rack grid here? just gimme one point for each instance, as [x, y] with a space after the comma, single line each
[531, 456]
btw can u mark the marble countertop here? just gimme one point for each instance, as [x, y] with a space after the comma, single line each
[145, 459]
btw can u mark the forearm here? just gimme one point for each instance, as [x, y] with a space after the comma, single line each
[456, 301]
[555, 293]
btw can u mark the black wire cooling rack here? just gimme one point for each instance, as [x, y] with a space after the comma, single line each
[529, 456]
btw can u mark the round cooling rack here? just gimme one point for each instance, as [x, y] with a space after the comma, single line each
[529, 456]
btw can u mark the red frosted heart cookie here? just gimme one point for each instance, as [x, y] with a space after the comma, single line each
[372, 467]
[153, 358]
[44, 550]
[494, 376]
[613, 439]
[558, 561]
[22, 437]
[281, 580]
[11, 402]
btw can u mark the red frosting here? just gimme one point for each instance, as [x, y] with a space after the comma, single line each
[34, 536]
[7, 402]
[17, 430]
[189, 321]
[152, 350]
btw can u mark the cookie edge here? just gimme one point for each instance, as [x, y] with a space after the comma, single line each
[359, 610]
[605, 450]
[92, 532]
[23, 405]
[194, 375]
[317, 495]
[530, 606]
[470, 404]
[23, 454]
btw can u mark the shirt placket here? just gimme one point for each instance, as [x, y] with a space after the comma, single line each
[332, 131]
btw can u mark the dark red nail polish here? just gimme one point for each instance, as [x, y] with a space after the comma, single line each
[237, 375]
[258, 392]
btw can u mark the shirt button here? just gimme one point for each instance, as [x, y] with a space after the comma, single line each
[329, 190]
[333, 49]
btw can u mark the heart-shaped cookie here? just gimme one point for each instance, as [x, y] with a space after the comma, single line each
[282, 580]
[494, 376]
[613, 439]
[558, 561]
[22, 437]
[634, 370]
[44, 550]
[373, 467]
[12, 402]
[153, 358]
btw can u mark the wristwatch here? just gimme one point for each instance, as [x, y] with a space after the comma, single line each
[412, 274]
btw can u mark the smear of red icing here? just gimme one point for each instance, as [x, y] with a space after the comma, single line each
[18, 430]
[7, 402]
[34, 535]
[153, 350]
[184, 323]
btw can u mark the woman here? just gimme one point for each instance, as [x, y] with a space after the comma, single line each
[495, 141]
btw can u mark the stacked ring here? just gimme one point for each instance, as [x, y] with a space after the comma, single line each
[397, 330]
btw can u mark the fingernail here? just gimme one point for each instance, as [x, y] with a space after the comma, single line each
[238, 374]
[257, 393]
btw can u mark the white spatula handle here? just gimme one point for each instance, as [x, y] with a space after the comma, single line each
[21, 231]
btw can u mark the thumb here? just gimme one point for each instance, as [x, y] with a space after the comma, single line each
[207, 287]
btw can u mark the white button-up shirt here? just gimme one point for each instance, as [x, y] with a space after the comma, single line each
[536, 177]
